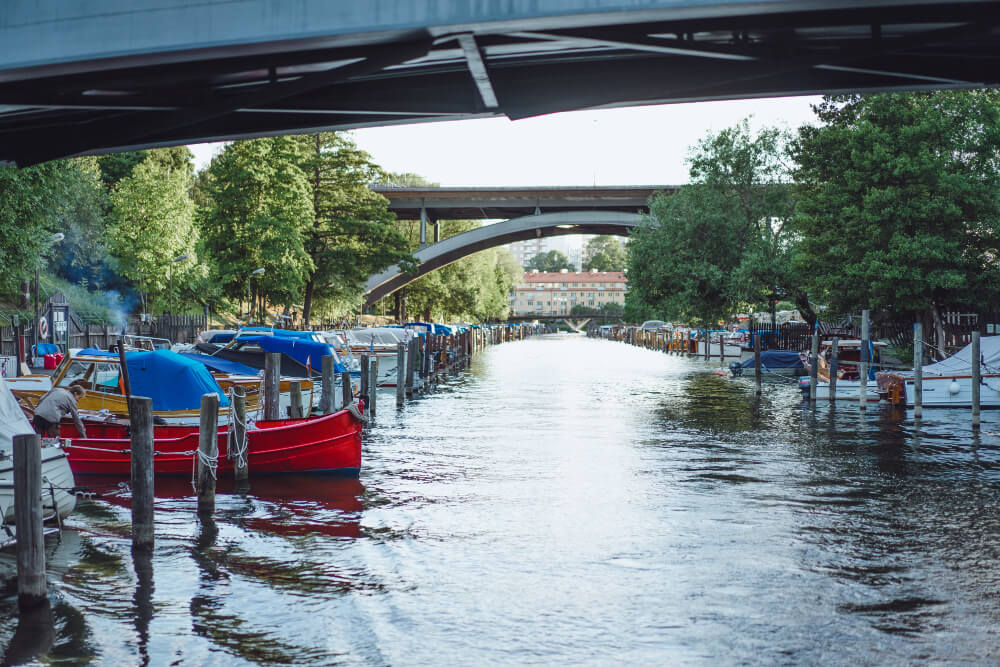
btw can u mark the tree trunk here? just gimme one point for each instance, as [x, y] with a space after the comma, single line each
[307, 304]
[938, 331]
[804, 307]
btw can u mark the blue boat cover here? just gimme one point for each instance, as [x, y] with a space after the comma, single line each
[776, 359]
[221, 365]
[172, 381]
[281, 333]
[303, 351]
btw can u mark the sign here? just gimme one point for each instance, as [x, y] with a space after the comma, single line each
[8, 366]
[43, 328]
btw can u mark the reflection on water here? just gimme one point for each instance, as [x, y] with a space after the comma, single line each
[565, 500]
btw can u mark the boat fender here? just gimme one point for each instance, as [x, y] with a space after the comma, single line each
[953, 388]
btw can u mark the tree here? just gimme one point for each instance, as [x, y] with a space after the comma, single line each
[721, 242]
[257, 211]
[899, 207]
[604, 253]
[353, 234]
[152, 223]
[553, 260]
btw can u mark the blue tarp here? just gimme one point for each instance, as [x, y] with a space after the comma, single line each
[280, 333]
[171, 380]
[303, 351]
[221, 365]
[776, 359]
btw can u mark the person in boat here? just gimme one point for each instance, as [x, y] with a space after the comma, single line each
[54, 406]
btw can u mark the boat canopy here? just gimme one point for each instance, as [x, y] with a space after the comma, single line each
[306, 352]
[174, 382]
[960, 363]
[775, 359]
[12, 419]
[220, 364]
[280, 333]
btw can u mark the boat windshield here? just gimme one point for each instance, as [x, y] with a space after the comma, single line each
[92, 375]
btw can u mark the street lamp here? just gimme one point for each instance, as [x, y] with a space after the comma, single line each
[182, 258]
[256, 272]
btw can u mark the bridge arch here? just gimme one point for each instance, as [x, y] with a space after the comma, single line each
[456, 247]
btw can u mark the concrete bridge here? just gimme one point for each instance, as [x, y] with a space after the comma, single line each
[107, 75]
[533, 212]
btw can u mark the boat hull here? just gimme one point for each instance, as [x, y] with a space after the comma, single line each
[329, 444]
[58, 495]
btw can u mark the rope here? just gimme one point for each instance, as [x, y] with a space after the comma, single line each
[239, 449]
[211, 462]
[356, 413]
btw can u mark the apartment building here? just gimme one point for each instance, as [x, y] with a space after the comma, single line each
[543, 293]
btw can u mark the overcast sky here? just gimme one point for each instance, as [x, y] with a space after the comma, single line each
[634, 146]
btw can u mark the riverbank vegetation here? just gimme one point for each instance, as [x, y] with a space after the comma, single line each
[889, 202]
[141, 231]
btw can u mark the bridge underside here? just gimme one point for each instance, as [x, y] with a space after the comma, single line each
[78, 78]
[462, 245]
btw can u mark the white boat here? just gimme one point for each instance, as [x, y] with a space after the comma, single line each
[848, 382]
[58, 499]
[948, 383]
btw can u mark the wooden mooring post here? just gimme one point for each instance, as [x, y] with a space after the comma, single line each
[208, 452]
[347, 389]
[326, 393]
[295, 404]
[976, 379]
[757, 379]
[834, 364]
[372, 374]
[863, 366]
[411, 364]
[813, 367]
[365, 378]
[272, 385]
[31, 585]
[918, 370]
[400, 374]
[140, 411]
[238, 435]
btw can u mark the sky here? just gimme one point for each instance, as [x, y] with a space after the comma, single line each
[632, 146]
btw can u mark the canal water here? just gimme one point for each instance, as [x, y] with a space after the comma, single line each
[563, 501]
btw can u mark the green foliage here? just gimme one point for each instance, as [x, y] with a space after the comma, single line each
[35, 202]
[720, 242]
[604, 253]
[256, 211]
[117, 166]
[152, 223]
[353, 234]
[553, 260]
[899, 205]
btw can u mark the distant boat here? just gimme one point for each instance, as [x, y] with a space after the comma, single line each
[301, 352]
[778, 362]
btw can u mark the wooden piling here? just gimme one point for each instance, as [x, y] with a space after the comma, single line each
[347, 390]
[863, 366]
[834, 364]
[757, 375]
[238, 413]
[272, 385]
[123, 368]
[976, 379]
[140, 410]
[326, 394]
[400, 374]
[363, 390]
[295, 406]
[813, 367]
[372, 371]
[208, 452]
[411, 363]
[918, 370]
[31, 585]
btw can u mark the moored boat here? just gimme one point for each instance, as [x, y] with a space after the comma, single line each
[58, 498]
[327, 444]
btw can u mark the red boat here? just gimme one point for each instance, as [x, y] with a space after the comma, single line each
[329, 444]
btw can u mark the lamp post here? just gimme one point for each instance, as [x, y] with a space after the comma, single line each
[56, 238]
[256, 272]
[182, 258]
